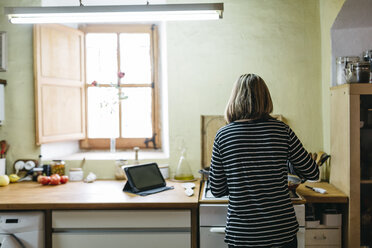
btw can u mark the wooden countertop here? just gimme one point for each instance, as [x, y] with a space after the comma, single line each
[101, 194]
[333, 194]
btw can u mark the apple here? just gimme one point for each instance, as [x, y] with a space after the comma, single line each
[64, 179]
[44, 180]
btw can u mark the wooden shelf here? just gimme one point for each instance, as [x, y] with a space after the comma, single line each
[366, 181]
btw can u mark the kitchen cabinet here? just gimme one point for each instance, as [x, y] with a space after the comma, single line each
[323, 237]
[351, 140]
[163, 218]
[121, 228]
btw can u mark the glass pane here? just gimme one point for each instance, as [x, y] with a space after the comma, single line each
[135, 59]
[136, 113]
[101, 62]
[103, 112]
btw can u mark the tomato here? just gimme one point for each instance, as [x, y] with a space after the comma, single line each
[55, 180]
[64, 179]
[56, 175]
[39, 178]
[44, 180]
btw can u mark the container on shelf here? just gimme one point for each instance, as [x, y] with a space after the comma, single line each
[58, 167]
[358, 72]
[341, 64]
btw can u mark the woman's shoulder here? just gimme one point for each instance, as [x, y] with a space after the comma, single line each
[277, 122]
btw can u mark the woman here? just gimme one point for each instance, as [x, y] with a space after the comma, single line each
[249, 164]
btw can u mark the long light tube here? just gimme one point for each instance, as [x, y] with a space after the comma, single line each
[109, 14]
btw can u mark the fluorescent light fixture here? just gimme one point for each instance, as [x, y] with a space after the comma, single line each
[119, 13]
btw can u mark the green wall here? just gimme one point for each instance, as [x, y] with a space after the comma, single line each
[19, 126]
[328, 12]
[285, 41]
[279, 40]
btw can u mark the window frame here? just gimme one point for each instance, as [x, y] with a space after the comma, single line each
[128, 143]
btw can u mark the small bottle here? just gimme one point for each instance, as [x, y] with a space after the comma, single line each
[40, 162]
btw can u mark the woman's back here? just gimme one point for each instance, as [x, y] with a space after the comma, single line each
[249, 163]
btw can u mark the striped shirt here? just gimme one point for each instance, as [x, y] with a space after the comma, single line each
[249, 164]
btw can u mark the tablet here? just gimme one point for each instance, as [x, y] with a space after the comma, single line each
[144, 177]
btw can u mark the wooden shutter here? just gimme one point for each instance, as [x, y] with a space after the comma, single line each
[59, 83]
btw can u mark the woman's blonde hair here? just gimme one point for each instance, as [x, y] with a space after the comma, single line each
[250, 99]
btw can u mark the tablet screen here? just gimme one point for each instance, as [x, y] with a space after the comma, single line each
[146, 176]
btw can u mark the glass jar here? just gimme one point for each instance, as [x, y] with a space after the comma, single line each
[58, 167]
[341, 64]
[119, 171]
[358, 72]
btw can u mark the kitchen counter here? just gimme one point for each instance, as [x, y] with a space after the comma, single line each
[333, 194]
[101, 194]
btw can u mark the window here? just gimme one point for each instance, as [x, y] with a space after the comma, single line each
[121, 86]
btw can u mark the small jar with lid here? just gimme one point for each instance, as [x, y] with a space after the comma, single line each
[76, 174]
[358, 72]
[58, 167]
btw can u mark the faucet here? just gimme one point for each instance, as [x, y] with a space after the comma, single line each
[136, 150]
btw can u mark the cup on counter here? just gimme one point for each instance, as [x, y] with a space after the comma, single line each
[2, 166]
[76, 174]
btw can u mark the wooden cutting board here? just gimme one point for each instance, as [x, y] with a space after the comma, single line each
[210, 124]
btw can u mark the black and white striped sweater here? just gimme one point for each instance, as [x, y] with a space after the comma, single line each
[249, 164]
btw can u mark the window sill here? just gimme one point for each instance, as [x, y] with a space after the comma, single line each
[107, 155]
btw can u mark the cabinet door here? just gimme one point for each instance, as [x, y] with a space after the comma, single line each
[59, 83]
[108, 219]
[130, 239]
[325, 237]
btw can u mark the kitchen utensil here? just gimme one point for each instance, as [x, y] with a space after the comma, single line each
[314, 156]
[204, 171]
[323, 159]
[318, 190]
[293, 181]
[3, 148]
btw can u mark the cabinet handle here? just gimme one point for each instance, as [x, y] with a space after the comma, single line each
[217, 230]
[323, 237]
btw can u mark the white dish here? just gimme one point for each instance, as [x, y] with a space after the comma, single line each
[30, 165]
